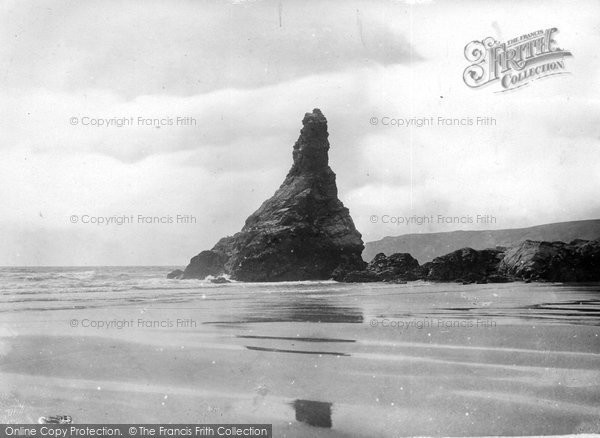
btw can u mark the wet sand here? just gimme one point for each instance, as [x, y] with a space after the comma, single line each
[310, 370]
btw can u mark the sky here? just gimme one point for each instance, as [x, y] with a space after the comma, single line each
[244, 73]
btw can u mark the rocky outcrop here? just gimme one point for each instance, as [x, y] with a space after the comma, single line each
[303, 232]
[467, 264]
[576, 261]
[395, 268]
[355, 276]
[206, 263]
[399, 266]
[176, 274]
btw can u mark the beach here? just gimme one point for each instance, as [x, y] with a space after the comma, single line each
[125, 345]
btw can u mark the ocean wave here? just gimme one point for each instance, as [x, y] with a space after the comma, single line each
[69, 275]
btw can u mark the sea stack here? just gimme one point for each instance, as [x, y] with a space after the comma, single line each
[303, 232]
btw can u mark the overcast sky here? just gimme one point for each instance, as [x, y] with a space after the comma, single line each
[247, 72]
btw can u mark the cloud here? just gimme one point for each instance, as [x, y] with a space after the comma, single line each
[150, 47]
[228, 125]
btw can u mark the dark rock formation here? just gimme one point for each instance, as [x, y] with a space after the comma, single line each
[553, 261]
[395, 268]
[303, 232]
[467, 265]
[577, 261]
[206, 263]
[176, 274]
[354, 276]
[399, 266]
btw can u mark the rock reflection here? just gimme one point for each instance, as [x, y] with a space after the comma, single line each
[319, 310]
[296, 309]
[315, 413]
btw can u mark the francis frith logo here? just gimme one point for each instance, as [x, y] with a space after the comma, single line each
[515, 63]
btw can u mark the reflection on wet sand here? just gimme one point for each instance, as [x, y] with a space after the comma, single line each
[283, 338]
[298, 309]
[313, 412]
[281, 350]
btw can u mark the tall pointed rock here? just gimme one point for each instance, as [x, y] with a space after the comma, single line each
[303, 232]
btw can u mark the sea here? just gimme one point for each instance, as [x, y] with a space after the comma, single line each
[325, 359]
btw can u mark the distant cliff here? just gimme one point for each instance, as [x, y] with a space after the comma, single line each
[303, 232]
[425, 247]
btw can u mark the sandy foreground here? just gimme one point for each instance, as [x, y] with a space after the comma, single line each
[511, 379]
